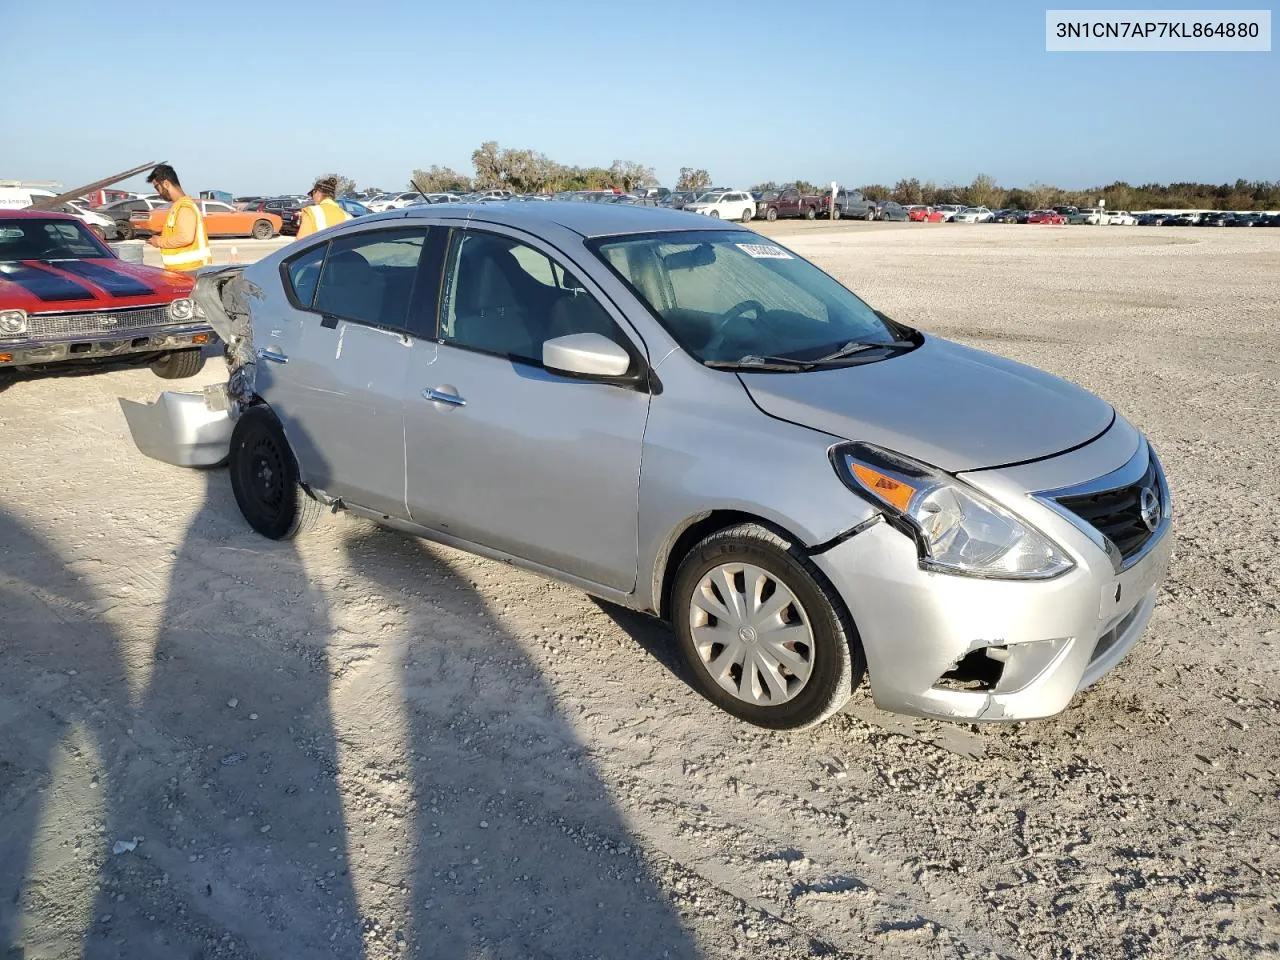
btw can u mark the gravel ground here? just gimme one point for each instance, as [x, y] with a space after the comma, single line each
[362, 745]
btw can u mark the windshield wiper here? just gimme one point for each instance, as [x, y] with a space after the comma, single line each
[855, 346]
[759, 363]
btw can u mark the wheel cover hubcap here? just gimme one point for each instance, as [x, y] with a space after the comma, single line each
[751, 634]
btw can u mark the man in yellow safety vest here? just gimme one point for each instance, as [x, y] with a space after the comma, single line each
[324, 210]
[183, 242]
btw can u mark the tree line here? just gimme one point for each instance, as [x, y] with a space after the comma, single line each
[529, 171]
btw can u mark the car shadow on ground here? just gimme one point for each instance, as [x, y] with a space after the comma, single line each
[656, 637]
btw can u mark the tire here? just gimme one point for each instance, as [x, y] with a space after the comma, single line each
[747, 214]
[835, 213]
[870, 214]
[124, 230]
[771, 214]
[178, 364]
[264, 478]
[263, 230]
[810, 213]
[824, 640]
[714, 214]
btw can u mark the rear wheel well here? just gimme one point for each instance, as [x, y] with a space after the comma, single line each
[694, 534]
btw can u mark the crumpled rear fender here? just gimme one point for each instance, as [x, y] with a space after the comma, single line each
[222, 296]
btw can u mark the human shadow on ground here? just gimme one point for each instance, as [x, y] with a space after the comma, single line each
[62, 697]
[231, 778]
[519, 849]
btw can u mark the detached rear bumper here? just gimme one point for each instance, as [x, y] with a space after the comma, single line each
[185, 429]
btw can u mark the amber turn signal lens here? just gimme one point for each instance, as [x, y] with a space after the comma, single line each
[893, 492]
[6, 358]
[200, 338]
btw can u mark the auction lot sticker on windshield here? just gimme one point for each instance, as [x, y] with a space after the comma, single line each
[764, 251]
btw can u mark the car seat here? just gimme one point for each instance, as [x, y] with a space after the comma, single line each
[577, 311]
[350, 287]
[488, 313]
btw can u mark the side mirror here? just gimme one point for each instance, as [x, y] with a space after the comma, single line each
[586, 355]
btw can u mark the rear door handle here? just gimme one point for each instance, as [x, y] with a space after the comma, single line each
[443, 396]
[275, 356]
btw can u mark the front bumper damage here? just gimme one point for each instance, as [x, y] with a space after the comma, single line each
[194, 429]
[103, 345]
[962, 648]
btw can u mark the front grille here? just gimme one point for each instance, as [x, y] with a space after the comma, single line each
[1117, 514]
[62, 325]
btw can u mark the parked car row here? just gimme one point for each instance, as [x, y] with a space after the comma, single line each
[724, 203]
[1214, 218]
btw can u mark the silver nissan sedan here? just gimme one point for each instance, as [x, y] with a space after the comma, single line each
[680, 416]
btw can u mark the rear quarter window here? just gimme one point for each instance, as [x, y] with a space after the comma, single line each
[303, 273]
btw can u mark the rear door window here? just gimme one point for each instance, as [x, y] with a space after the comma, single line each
[369, 277]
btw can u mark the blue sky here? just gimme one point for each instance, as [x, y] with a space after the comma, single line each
[817, 89]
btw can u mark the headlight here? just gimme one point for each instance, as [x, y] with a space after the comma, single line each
[182, 309]
[957, 529]
[13, 323]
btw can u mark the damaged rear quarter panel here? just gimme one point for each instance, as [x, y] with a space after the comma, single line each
[226, 297]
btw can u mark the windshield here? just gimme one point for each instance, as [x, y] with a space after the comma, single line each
[710, 197]
[728, 296]
[30, 239]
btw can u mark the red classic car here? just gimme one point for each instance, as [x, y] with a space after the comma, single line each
[925, 214]
[66, 297]
[1046, 216]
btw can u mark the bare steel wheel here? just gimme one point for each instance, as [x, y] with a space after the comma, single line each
[762, 631]
[751, 634]
[264, 478]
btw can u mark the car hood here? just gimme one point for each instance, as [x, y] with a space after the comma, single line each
[43, 286]
[945, 404]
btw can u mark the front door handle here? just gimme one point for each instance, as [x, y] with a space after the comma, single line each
[444, 396]
[275, 356]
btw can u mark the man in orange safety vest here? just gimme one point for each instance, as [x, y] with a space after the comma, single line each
[324, 210]
[183, 242]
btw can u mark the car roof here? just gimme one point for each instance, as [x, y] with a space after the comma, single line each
[585, 219]
[34, 214]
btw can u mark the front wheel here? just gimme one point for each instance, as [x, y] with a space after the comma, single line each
[747, 214]
[835, 213]
[715, 214]
[771, 214]
[870, 214]
[264, 478]
[764, 635]
[810, 213]
[178, 364]
[262, 230]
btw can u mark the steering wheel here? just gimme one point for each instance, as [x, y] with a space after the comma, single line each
[721, 332]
